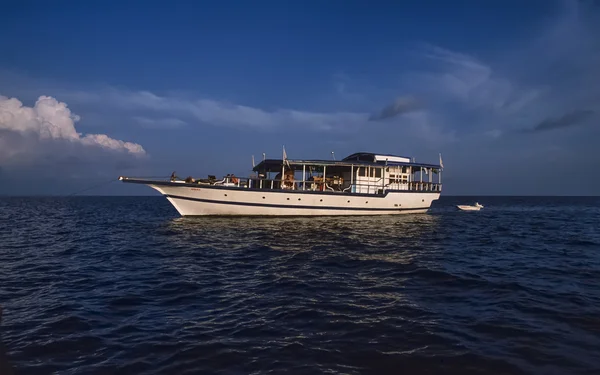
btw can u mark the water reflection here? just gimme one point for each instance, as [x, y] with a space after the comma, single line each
[306, 233]
[332, 261]
[300, 248]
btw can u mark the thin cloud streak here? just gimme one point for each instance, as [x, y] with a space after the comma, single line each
[567, 120]
[159, 123]
[400, 106]
[217, 113]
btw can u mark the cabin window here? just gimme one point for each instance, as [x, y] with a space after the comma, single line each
[376, 172]
[362, 172]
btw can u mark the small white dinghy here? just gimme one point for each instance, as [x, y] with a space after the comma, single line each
[475, 207]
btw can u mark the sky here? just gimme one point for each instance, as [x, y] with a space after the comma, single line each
[507, 91]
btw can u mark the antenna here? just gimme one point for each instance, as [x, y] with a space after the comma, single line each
[333, 155]
[253, 164]
[264, 156]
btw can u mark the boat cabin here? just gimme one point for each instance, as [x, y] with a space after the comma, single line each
[364, 173]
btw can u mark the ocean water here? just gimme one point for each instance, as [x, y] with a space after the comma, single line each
[122, 285]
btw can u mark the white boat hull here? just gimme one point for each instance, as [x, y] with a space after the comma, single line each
[469, 208]
[200, 201]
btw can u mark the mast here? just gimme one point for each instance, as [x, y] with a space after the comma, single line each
[440, 173]
[284, 157]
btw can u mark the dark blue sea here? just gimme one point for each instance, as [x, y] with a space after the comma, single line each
[122, 285]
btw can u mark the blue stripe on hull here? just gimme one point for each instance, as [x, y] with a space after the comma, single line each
[294, 206]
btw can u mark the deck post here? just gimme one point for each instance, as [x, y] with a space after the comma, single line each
[430, 178]
[351, 176]
[303, 176]
[421, 180]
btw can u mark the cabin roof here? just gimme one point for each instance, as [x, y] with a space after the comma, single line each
[275, 165]
[373, 157]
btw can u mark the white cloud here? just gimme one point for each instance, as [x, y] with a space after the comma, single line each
[544, 77]
[173, 110]
[106, 142]
[48, 127]
[219, 113]
[473, 83]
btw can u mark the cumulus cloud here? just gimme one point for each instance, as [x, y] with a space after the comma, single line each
[49, 128]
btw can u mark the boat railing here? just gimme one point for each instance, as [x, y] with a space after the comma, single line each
[309, 185]
[320, 185]
[424, 186]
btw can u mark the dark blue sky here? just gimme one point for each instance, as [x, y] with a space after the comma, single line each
[504, 89]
